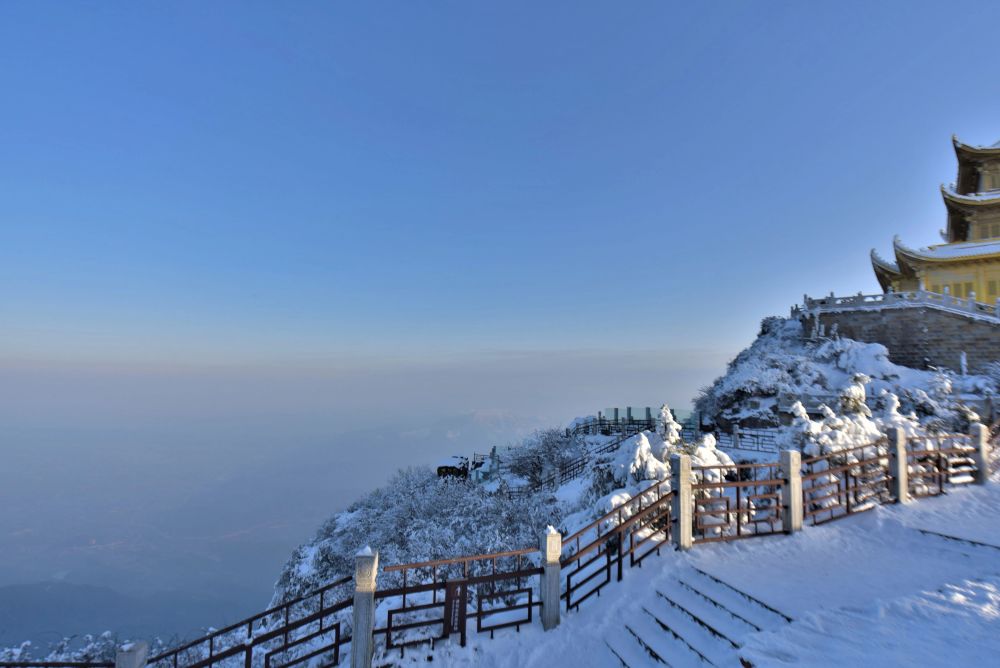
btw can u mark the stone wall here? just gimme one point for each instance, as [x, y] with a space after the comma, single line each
[917, 336]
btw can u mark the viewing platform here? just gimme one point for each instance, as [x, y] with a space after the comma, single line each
[914, 299]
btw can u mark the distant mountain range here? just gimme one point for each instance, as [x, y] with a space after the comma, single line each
[45, 612]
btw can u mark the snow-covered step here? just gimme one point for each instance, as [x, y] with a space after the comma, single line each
[655, 634]
[686, 626]
[624, 651]
[745, 604]
[721, 622]
[638, 644]
[735, 621]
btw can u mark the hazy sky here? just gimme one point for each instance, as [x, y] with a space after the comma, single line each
[246, 248]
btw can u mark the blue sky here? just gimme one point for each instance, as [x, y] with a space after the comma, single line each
[187, 182]
[234, 231]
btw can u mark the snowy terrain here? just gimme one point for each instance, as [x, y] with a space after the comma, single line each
[852, 595]
[844, 585]
[781, 367]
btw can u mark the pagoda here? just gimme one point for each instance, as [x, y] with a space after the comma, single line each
[967, 264]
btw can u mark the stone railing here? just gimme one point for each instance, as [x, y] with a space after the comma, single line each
[917, 298]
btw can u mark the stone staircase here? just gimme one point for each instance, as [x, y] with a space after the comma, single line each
[694, 619]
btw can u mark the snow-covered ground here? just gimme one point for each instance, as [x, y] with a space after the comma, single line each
[871, 588]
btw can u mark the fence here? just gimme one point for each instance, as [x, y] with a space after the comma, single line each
[427, 612]
[916, 298]
[271, 635]
[572, 469]
[431, 601]
[606, 426]
[939, 460]
[643, 522]
[738, 501]
[844, 482]
[754, 440]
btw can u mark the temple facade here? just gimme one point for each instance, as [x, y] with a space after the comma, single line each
[967, 264]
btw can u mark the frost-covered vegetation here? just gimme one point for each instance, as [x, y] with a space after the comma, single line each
[780, 366]
[86, 649]
[419, 517]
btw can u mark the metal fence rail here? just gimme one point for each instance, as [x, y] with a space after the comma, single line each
[277, 632]
[935, 461]
[435, 600]
[596, 553]
[737, 501]
[845, 482]
[427, 601]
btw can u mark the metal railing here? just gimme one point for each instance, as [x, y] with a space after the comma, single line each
[754, 440]
[432, 600]
[607, 426]
[435, 599]
[736, 501]
[572, 469]
[845, 482]
[936, 461]
[276, 633]
[597, 552]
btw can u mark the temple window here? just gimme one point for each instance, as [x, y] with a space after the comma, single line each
[990, 180]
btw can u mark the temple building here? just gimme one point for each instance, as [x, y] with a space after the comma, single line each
[967, 264]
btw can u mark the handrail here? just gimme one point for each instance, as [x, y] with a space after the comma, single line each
[209, 637]
[899, 299]
[459, 560]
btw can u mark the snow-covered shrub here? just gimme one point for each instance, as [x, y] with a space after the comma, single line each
[76, 649]
[669, 428]
[780, 365]
[417, 517]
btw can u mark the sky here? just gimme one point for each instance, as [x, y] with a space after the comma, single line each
[255, 256]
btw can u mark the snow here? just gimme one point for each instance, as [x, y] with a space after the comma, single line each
[366, 551]
[781, 364]
[853, 599]
[966, 249]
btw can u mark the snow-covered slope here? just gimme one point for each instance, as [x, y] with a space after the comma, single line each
[780, 366]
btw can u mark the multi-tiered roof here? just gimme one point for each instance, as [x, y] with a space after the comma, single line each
[972, 234]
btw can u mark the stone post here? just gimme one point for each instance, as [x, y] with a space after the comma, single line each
[362, 643]
[980, 441]
[683, 501]
[548, 590]
[898, 467]
[791, 490]
[132, 655]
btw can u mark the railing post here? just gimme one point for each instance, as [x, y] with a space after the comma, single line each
[980, 441]
[898, 467]
[362, 641]
[132, 655]
[791, 490]
[548, 590]
[683, 501]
